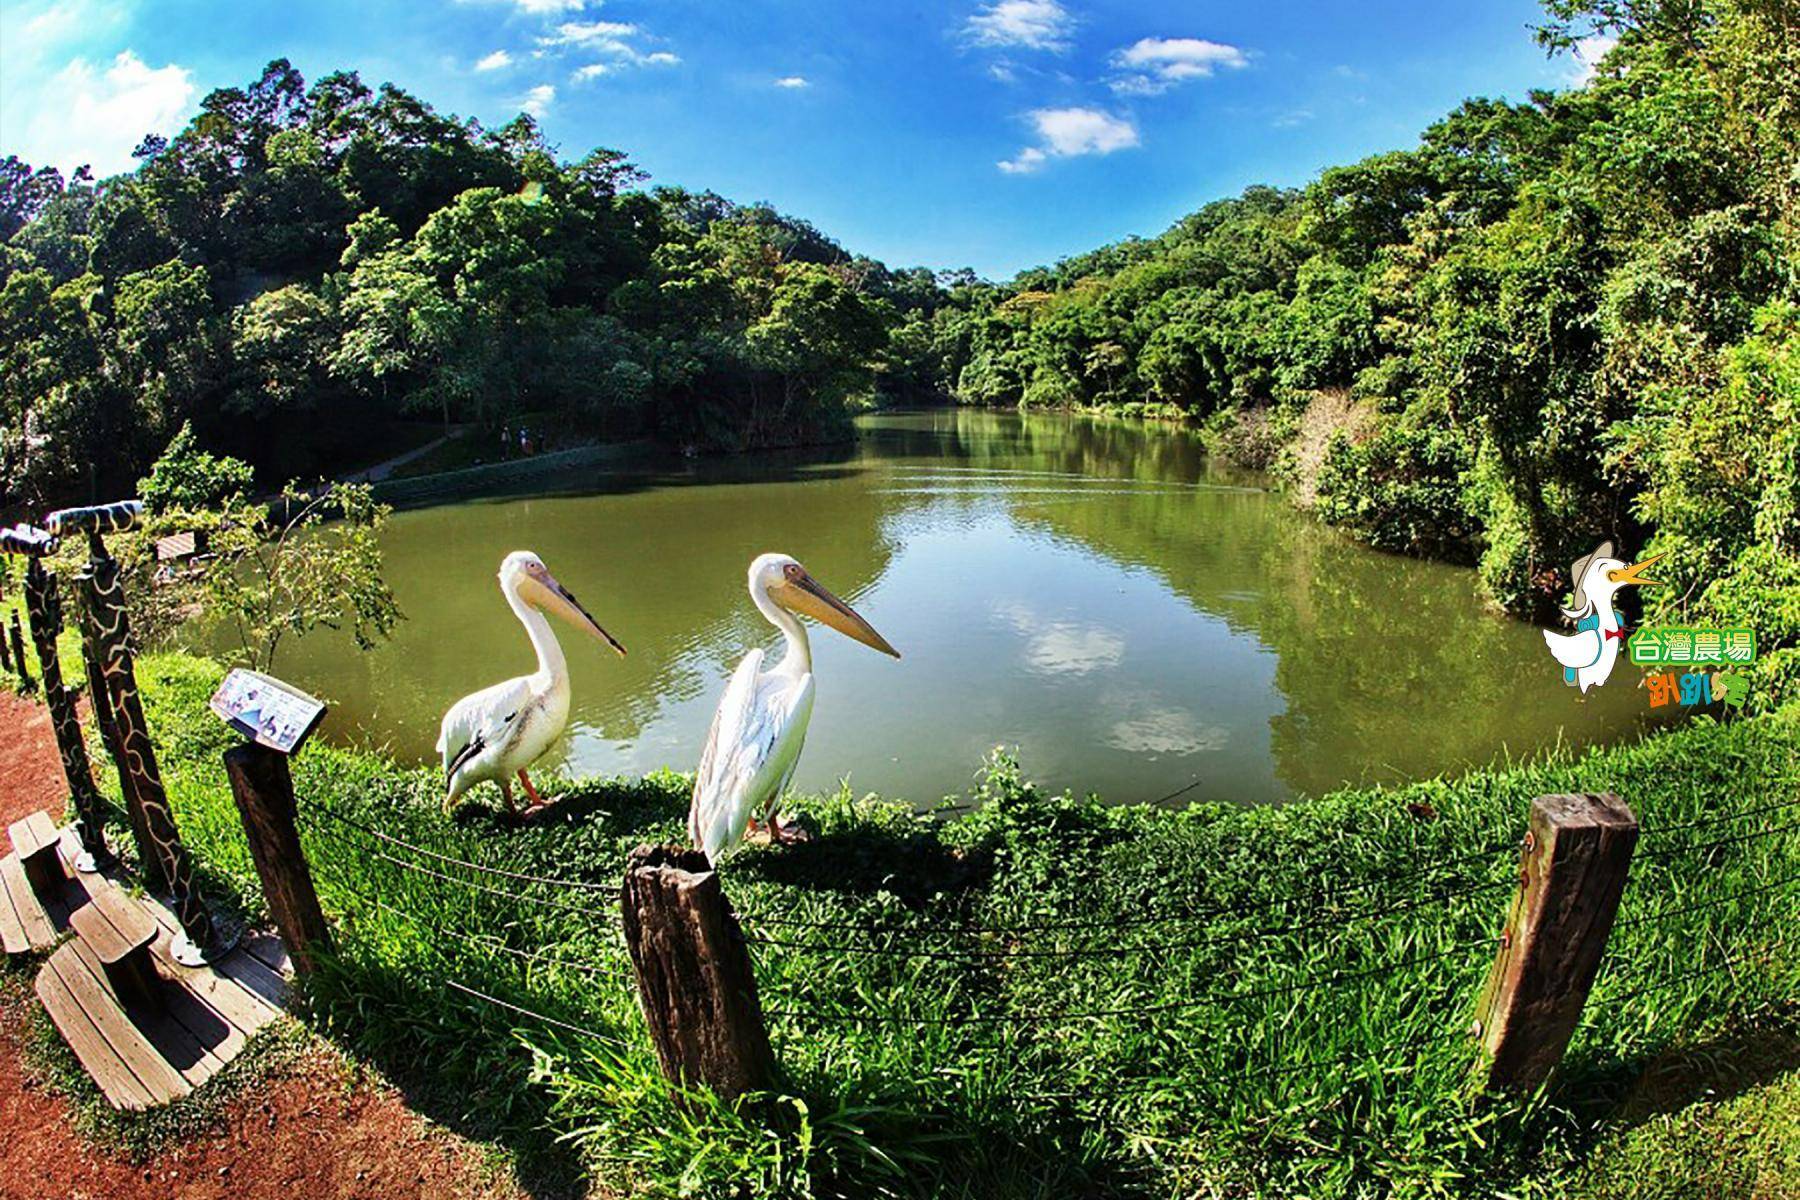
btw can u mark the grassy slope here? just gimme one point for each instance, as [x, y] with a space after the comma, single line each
[1216, 1053]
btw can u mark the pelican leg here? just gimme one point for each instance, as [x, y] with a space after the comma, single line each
[787, 833]
[537, 801]
[506, 791]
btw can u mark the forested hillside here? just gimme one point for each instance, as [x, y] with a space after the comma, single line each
[1551, 321]
[301, 262]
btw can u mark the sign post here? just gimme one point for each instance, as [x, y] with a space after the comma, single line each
[277, 719]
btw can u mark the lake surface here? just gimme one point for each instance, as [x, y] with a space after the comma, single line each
[1129, 617]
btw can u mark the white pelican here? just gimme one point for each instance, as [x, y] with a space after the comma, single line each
[1588, 654]
[501, 730]
[761, 723]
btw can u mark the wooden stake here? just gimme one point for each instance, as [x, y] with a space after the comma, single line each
[1572, 873]
[264, 791]
[694, 976]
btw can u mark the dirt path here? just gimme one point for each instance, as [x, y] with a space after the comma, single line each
[308, 1134]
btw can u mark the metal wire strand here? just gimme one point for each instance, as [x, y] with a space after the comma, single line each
[1678, 851]
[1675, 910]
[1139, 1087]
[1326, 979]
[1717, 819]
[519, 876]
[1696, 973]
[1314, 899]
[533, 1014]
[1236, 937]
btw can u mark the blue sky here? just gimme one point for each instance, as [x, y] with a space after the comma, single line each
[996, 134]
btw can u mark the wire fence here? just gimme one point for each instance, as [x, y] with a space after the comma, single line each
[1452, 884]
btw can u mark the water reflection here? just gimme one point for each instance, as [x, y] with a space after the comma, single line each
[1132, 617]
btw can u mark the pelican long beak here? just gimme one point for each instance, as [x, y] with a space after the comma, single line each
[1630, 574]
[808, 596]
[561, 601]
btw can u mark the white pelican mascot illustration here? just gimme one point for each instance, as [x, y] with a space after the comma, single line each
[499, 731]
[761, 723]
[1588, 654]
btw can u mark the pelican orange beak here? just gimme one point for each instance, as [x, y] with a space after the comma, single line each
[1630, 574]
[554, 597]
[803, 594]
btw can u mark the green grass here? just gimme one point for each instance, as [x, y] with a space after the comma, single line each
[1213, 1054]
[1216, 1058]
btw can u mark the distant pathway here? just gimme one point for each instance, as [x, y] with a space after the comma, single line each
[382, 470]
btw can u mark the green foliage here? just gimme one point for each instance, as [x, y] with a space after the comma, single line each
[1573, 315]
[300, 261]
[886, 1091]
[317, 565]
[185, 476]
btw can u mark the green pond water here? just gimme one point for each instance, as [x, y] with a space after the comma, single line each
[1127, 616]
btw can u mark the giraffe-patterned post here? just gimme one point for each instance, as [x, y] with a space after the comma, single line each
[111, 634]
[18, 654]
[43, 605]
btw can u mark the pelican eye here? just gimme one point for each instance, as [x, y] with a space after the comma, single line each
[792, 571]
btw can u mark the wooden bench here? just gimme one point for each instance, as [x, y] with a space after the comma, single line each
[119, 932]
[34, 840]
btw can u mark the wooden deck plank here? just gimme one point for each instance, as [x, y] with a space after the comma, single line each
[267, 949]
[120, 1087]
[245, 1010]
[115, 925]
[262, 988]
[12, 930]
[173, 1041]
[162, 1081]
[39, 932]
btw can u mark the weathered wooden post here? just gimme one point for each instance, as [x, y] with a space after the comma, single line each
[26, 683]
[43, 605]
[1571, 875]
[694, 977]
[109, 640]
[5, 649]
[264, 790]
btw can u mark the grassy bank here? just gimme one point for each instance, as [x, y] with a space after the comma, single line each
[1046, 995]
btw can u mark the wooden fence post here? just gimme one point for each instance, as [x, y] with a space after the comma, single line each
[1571, 875]
[694, 976]
[264, 791]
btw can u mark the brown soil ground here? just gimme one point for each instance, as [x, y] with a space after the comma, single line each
[308, 1134]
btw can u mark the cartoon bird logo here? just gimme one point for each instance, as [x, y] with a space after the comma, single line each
[1587, 655]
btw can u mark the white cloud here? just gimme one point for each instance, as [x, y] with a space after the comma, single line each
[1083, 131]
[537, 100]
[1290, 119]
[793, 81]
[99, 114]
[540, 8]
[494, 61]
[1068, 132]
[576, 33]
[591, 71]
[1023, 163]
[1154, 65]
[1033, 24]
[1587, 55]
[611, 38]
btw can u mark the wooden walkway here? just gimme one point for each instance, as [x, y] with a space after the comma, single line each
[148, 1029]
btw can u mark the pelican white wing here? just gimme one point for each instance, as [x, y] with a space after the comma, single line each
[1575, 650]
[476, 730]
[750, 754]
